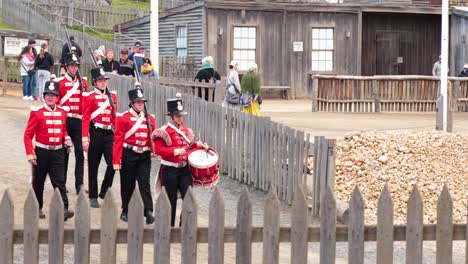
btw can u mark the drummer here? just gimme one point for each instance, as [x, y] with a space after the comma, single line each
[172, 142]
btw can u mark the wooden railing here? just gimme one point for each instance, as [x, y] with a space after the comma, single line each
[298, 233]
[384, 93]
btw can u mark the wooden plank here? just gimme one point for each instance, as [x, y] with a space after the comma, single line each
[271, 229]
[385, 228]
[56, 229]
[315, 87]
[135, 228]
[189, 228]
[216, 228]
[444, 227]
[327, 227]
[299, 224]
[414, 232]
[109, 215]
[31, 229]
[162, 229]
[244, 229]
[356, 228]
[83, 229]
[7, 224]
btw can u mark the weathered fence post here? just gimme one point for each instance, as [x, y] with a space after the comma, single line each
[109, 220]
[444, 233]
[327, 227]
[31, 229]
[216, 229]
[162, 229]
[189, 229]
[135, 228]
[324, 169]
[70, 16]
[385, 228]
[299, 225]
[271, 228]
[356, 228]
[315, 83]
[414, 228]
[6, 228]
[82, 229]
[244, 229]
[376, 95]
[56, 229]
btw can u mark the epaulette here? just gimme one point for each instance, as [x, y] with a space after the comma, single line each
[113, 92]
[162, 134]
[59, 79]
[153, 115]
[36, 108]
[64, 108]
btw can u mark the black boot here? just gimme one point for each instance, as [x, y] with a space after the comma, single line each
[68, 214]
[124, 217]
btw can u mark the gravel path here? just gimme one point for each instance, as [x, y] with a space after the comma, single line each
[14, 171]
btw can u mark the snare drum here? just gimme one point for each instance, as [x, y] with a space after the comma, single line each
[204, 166]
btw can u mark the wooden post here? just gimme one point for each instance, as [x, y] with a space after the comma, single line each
[82, 229]
[109, 216]
[385, 228]
[31, 229]
[244, 229]
[299, 225]
[56, 229]
[356, 228]
[327, 227]
[315, 84]
[271, 229]
[70, 13]
[414, 228]
[216, 229]
[376, 95]
[162, 229]
[189, 229]
[444, 233]
[135, 228]
[6, 228]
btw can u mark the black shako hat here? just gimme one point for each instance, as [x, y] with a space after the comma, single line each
[71, 58]
[98, 74]
[51, 88]
[135, 95]
[175, 107]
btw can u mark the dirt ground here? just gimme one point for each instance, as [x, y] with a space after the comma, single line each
[15, 174]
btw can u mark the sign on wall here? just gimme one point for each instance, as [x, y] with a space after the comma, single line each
[298, 46]
[13, 46]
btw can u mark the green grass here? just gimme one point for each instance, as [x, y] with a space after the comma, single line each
[3, 25]
[98, 33]
[132, 4]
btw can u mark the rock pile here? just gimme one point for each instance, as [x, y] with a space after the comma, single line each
[402, 159]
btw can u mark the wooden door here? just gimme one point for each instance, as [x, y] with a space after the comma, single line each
[387, 49]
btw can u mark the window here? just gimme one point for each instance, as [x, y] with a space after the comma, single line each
[322, 49]
[181, 41]
[244, 46]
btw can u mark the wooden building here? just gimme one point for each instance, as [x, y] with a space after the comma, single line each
[292, 41]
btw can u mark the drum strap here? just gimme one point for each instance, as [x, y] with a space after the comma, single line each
[180, 132]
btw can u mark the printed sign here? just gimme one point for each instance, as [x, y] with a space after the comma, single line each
[298, 46]
[13, 46]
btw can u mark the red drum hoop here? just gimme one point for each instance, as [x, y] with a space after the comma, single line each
[204, 166]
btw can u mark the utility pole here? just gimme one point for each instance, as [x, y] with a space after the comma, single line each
[444, 61]
[154, 34]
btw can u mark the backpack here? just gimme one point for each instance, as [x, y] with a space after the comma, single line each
[232, 93]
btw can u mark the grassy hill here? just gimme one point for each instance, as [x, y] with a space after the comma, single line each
[132, 4]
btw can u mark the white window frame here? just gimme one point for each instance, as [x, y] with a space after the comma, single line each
[244, 45]
[179, 45]
[323, 49]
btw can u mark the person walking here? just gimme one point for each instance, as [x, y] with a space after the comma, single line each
[206, 73]
[44, 61]
[233, 86]
[172, 142]
[70, 94]
[99, 107]
[132, 153]
[46, 125]
[109, 64]
[27, 72]
[250, 99]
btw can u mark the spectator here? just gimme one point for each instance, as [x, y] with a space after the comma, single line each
[464, 72]
[137, 55]
[233, 86]
[206, 73]
[147, 69]
[66, 50]
[32, 44]
[44, 61]
[126, 66]
[26, 61]
[99, 55]
[109, 64]
[436, 68]
[251, 100]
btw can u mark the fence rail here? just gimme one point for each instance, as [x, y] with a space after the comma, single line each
[384, 93]
[299, 233]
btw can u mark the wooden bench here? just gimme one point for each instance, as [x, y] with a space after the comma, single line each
[283, 90]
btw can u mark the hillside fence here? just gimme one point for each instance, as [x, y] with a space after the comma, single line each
[299, 233]
[384, 93]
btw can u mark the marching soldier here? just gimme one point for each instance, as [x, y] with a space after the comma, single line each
[132, 153]
[172, 142]
[47, 125]
[99, 108]
[70, 94]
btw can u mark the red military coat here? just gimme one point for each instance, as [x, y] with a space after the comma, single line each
[94, 109]
[166, 140]
[138, 135]
[71, 97]
[47, 125]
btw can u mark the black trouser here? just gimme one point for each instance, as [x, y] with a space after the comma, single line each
[136, 167]
[101, 141]
[175, 179]
[74, 131]
[52, 162]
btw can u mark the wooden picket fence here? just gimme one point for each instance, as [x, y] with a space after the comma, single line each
[384, 93]
[299, 233]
